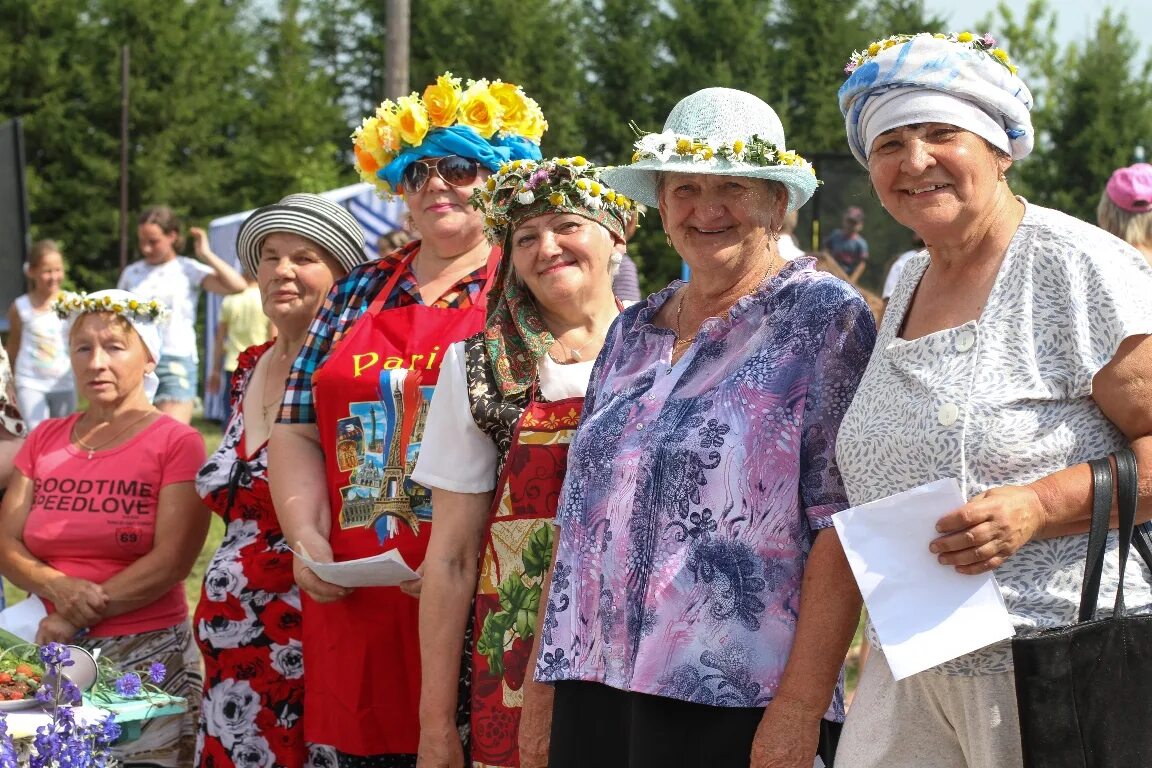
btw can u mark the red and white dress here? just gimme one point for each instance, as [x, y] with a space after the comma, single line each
[248, 622]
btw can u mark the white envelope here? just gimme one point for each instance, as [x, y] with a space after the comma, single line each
[924, 613]
[386, 569]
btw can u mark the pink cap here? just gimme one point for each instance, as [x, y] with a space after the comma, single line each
[1131, 188]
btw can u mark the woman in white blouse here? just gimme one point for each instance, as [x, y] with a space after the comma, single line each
[1011, 353]
[494, 452]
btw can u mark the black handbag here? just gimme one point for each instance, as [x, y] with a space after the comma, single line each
[1084, 692]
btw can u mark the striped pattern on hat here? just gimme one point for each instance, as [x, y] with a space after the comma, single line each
[322, 221]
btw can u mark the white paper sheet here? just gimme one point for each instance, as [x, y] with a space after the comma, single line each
[925, 613]
[384, 570]
[23, 618]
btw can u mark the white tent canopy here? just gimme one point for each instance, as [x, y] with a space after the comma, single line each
[377, 217]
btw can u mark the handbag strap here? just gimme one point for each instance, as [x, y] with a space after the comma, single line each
[1097, 536]
[1143, 544]
[1126, 507]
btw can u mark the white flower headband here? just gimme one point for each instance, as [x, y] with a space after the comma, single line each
[69, 306]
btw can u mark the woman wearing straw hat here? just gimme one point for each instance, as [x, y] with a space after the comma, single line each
[349, 432]
[248, 617]
[1010, 355]
[101, 519]
[496, 442]
[1125, 207]
[698, 606]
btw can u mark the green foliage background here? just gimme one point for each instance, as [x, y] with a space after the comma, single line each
[235, 103]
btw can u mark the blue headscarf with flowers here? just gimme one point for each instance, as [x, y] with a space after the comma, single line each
[965, 66]
[461, 140]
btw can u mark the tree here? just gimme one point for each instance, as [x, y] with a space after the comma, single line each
[295, 137]
[1100, 109]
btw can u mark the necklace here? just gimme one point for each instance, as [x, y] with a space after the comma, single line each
[680, 341]
[268, 403]
[575, 353]
[93, 448]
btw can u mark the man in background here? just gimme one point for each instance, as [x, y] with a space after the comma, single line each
[847, 247]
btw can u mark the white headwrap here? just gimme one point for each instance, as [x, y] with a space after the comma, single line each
[145, 315]
[929, 79]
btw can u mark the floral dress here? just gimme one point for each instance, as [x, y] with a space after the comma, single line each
[248, 622]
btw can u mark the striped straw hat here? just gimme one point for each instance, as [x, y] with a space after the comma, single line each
[320, 220]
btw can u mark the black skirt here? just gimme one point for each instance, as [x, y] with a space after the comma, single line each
[594, 724]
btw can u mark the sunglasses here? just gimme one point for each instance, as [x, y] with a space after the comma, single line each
[453, 170]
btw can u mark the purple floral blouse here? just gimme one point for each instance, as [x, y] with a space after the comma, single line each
[694, 492]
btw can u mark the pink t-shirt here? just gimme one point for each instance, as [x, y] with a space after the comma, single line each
[92, 518]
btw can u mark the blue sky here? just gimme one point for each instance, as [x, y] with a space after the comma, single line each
[1075, 19]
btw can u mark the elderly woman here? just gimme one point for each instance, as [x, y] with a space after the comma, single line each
[698, 605]
[1125, 207]
[101, 519]
[349, 432]
[1012, 352]
[248, 617]
[498, 431]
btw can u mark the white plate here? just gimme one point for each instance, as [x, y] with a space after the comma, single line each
[14, 706]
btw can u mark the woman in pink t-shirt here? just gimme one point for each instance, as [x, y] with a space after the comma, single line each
[102, 521]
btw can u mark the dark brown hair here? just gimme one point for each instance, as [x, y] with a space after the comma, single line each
[163, 217]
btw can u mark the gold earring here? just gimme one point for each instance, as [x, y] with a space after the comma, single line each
[668, 238]
[1003, 177]
[776, 233]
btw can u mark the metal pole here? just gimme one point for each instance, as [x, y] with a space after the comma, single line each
[123, 157]
[398, 20]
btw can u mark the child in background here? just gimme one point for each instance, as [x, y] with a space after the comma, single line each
[36, 343]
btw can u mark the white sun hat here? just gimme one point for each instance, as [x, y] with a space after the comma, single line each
[720, 131]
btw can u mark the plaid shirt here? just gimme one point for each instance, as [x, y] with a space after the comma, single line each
[346, 303]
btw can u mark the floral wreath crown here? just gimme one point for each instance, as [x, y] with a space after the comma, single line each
[565, 182]
[752, 151]
[72, 305]
[489, 108]
[984, 43]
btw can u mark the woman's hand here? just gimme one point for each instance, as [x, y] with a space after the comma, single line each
[787, 737]
[535, 722]
[54, 628]
[440, 747]
[986, 531]
[318, 550]
[412, 587]
[80, 601]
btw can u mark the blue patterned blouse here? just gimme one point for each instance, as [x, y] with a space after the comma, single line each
[694, 491]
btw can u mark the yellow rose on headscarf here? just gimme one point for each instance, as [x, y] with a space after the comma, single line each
[513, 103]
[411, 120]
[534, 123]
[480, 110]
[442, 100]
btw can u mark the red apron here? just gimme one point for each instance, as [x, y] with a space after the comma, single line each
[362, 670]
[517, 551]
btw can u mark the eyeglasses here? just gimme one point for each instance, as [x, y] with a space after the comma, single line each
[454, 170]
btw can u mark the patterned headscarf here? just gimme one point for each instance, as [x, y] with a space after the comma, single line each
[515, 336]
[961, 79]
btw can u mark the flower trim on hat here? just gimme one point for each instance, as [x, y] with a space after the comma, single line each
[752, 151]
[984, 43]
[564, 181]
[489, 108]
[72, 305]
